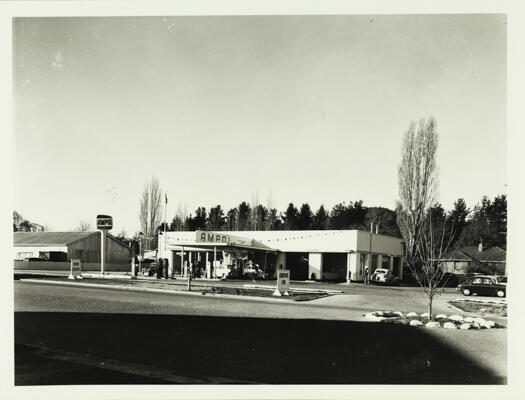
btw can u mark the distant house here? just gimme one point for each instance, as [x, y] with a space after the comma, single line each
[54, 250]
[465, 259]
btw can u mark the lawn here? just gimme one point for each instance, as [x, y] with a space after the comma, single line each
[499, 309]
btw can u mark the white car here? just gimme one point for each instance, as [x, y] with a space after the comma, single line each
[383, 276]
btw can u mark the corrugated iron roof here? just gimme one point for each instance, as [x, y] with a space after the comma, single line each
[456, 255]
[49, 238]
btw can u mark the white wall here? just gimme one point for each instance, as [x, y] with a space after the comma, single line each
[380, 244]
[315, 265]
[353, 266]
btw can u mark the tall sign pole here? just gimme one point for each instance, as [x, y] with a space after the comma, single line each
[102, 245]
[104, 223]
[165, 206]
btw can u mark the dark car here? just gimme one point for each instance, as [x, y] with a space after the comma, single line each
[149, 267]
[34, 259]
[482, 286]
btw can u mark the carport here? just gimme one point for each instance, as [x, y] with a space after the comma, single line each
[215, 250]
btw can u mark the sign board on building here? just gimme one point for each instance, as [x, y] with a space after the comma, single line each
[283, 282]
[76, 269]
[218, 237]
[104, 222]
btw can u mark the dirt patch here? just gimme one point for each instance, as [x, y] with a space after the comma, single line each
[499, 309]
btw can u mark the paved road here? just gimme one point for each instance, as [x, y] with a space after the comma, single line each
[38, 305]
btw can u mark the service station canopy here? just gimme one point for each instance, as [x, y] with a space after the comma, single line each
[210, 239]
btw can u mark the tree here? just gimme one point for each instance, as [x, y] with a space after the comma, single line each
[356, 215]
[177, 224]
[339, 216]
[260, 216]
[305, 217]
[417, 191]
[243, 216]
[179, 220]
[458, 219]
[17, 220]
[290, 218]
[320, 220]
[197, 222]
[384, 219]
[274, 221]
[25, 226]
[200, 218]
[488, 224]
[433, 243]
[232, 218]
[417, 182]
[216, 219]
[84, 226]
[150, 211]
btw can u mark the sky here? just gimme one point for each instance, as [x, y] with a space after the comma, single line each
[226, 109]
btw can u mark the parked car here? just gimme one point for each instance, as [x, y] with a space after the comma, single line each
[253, 273]
[483, 285]
[384, 277]
[34, 259]
[149, 267]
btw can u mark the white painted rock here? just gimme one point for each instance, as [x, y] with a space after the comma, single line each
[425, 315]
[415, 322]
[458, 318]
[449, 325]
[411, 314]
[399, 313]
[487, 324]
[468, 319]
[491, 323]
[479, 320]
[441, 316]
[379, 313]
[433, 324]
[465, 326]
[475, 325]
[374, 317]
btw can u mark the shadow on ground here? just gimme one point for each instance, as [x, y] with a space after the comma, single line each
[280, 351]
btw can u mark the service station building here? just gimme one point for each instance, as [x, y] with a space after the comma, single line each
[319, 255]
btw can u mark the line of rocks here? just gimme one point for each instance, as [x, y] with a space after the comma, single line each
[440, 320]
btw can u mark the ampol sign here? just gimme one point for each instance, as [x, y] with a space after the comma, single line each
[218, 237]
[104, 222]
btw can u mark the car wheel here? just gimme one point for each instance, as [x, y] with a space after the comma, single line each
[500, 293]
[466, 292]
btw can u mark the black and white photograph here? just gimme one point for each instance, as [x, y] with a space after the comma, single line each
[223, 200]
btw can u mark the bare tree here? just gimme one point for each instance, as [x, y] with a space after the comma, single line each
[84, 226]
[254, 217]
[427, 266]
[151, 210]
[418, 181]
